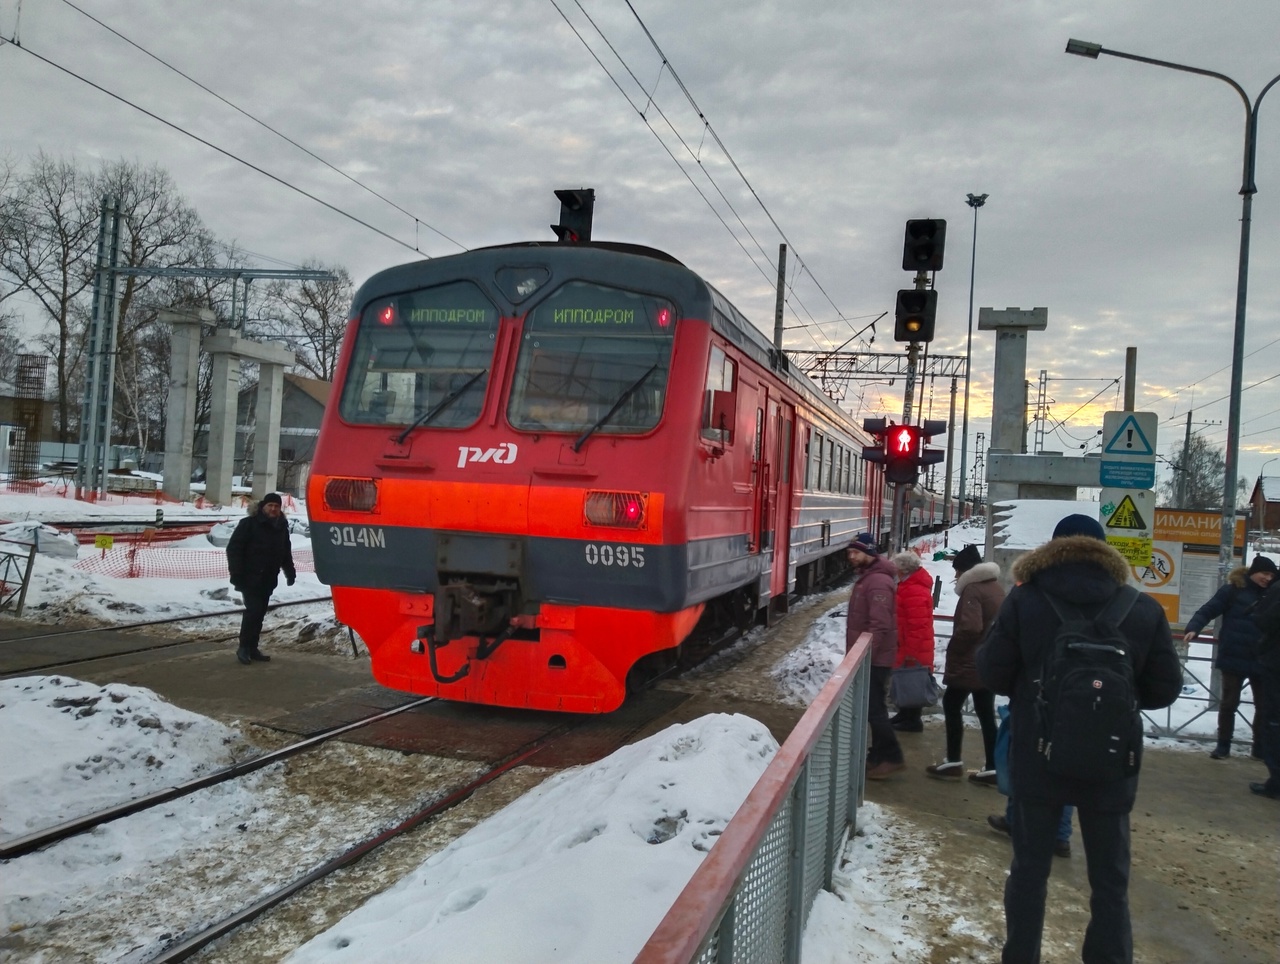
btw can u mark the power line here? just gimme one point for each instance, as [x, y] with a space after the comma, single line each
[666, 63]
[262, 123]
[642, 112]
[221, 150]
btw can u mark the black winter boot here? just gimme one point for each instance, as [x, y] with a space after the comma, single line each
[259, 656]
[242, 654]
[1220, 752]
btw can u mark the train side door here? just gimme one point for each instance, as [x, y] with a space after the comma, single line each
[782, 419]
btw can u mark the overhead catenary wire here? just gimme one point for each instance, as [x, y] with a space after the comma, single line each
[694, 154]
[221, 150]
[264, 124]
[666, 62]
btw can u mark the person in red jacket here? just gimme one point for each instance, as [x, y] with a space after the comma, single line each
[915, 628]
[871, 610]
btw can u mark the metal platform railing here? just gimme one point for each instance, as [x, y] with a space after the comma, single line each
[749, 900]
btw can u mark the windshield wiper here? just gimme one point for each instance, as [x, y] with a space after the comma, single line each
[627, 393]
[444, 403]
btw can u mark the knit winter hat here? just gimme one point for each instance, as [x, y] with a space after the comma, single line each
[1079, 525]
[1262, 564]
[966, 559]
[272, 497]
[865, 543]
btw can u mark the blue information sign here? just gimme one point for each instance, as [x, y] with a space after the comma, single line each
[1127, 475]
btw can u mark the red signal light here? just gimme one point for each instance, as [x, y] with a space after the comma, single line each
[903, 440]
[387, 315]
[621, 509]
[664, 318]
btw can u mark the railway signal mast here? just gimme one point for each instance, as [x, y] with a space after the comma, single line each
[915, 313]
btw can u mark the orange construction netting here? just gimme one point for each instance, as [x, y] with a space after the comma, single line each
[139, 561]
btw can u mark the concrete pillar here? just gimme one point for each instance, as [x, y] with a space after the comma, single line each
[1009, 401]
[227, 349]
[180, 414]
[1009, 398]
[222, 426]
[266, 437]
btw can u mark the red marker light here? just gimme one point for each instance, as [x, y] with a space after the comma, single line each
[624, 509]
[387, 315]
[664, 317]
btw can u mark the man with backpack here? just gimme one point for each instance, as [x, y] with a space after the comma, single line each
[1078, 652]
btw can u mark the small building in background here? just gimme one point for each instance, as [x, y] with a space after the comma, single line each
[1265, 501]
[302, 408]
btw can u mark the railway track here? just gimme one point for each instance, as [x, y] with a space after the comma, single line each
[191, 943]
[60, 664]
[44, 838]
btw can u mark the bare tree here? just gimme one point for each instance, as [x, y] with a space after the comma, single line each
[311, 316]
[162, 231]
[1204, 467]
[49, 253]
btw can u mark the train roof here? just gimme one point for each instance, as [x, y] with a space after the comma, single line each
[612, 261]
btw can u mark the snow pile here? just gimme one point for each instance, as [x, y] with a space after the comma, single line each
[70, 748]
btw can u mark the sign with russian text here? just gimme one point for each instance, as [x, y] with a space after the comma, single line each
[1183, 571]
[1129, 450]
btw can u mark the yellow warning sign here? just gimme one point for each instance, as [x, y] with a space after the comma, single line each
[1126, 516]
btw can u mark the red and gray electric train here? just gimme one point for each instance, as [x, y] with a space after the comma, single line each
[548, 468]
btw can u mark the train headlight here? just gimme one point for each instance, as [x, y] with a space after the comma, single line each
[351, 495]
[620, 509]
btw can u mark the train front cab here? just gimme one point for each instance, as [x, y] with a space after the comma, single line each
[522, 557]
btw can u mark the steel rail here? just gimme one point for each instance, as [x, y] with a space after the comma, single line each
[43, 838]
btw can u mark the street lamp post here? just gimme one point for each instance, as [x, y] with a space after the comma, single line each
[974, 201]
[1247, 191]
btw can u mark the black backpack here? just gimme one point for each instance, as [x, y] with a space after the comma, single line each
[1090, 727]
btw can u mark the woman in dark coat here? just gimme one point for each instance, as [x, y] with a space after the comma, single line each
[259, 549]
[914, 603]
[1237, 650]
[978, 586]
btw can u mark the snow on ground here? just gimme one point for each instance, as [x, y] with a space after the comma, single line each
[59, 592]
[538, 881]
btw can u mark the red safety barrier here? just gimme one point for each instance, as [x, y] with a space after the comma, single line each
[139, 561]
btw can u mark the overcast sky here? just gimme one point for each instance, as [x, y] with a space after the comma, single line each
[1113, 185]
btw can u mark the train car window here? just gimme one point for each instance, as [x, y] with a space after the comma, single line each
[422, 356]
[807, 463]
[829, 464]
[819, 444]
[591, 352]
[721, 377]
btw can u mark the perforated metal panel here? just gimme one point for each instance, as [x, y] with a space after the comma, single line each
[840, 777]
[759, 932]
[818, 818]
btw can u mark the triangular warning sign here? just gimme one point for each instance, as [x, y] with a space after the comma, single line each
[1128, 440]
[1126, 516]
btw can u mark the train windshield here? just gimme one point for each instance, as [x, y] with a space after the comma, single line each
[422, 356]
[592, 353]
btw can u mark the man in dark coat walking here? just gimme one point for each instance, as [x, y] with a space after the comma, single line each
[1237, 650]
[1077, 567]
[259, 549]
[873, 609]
